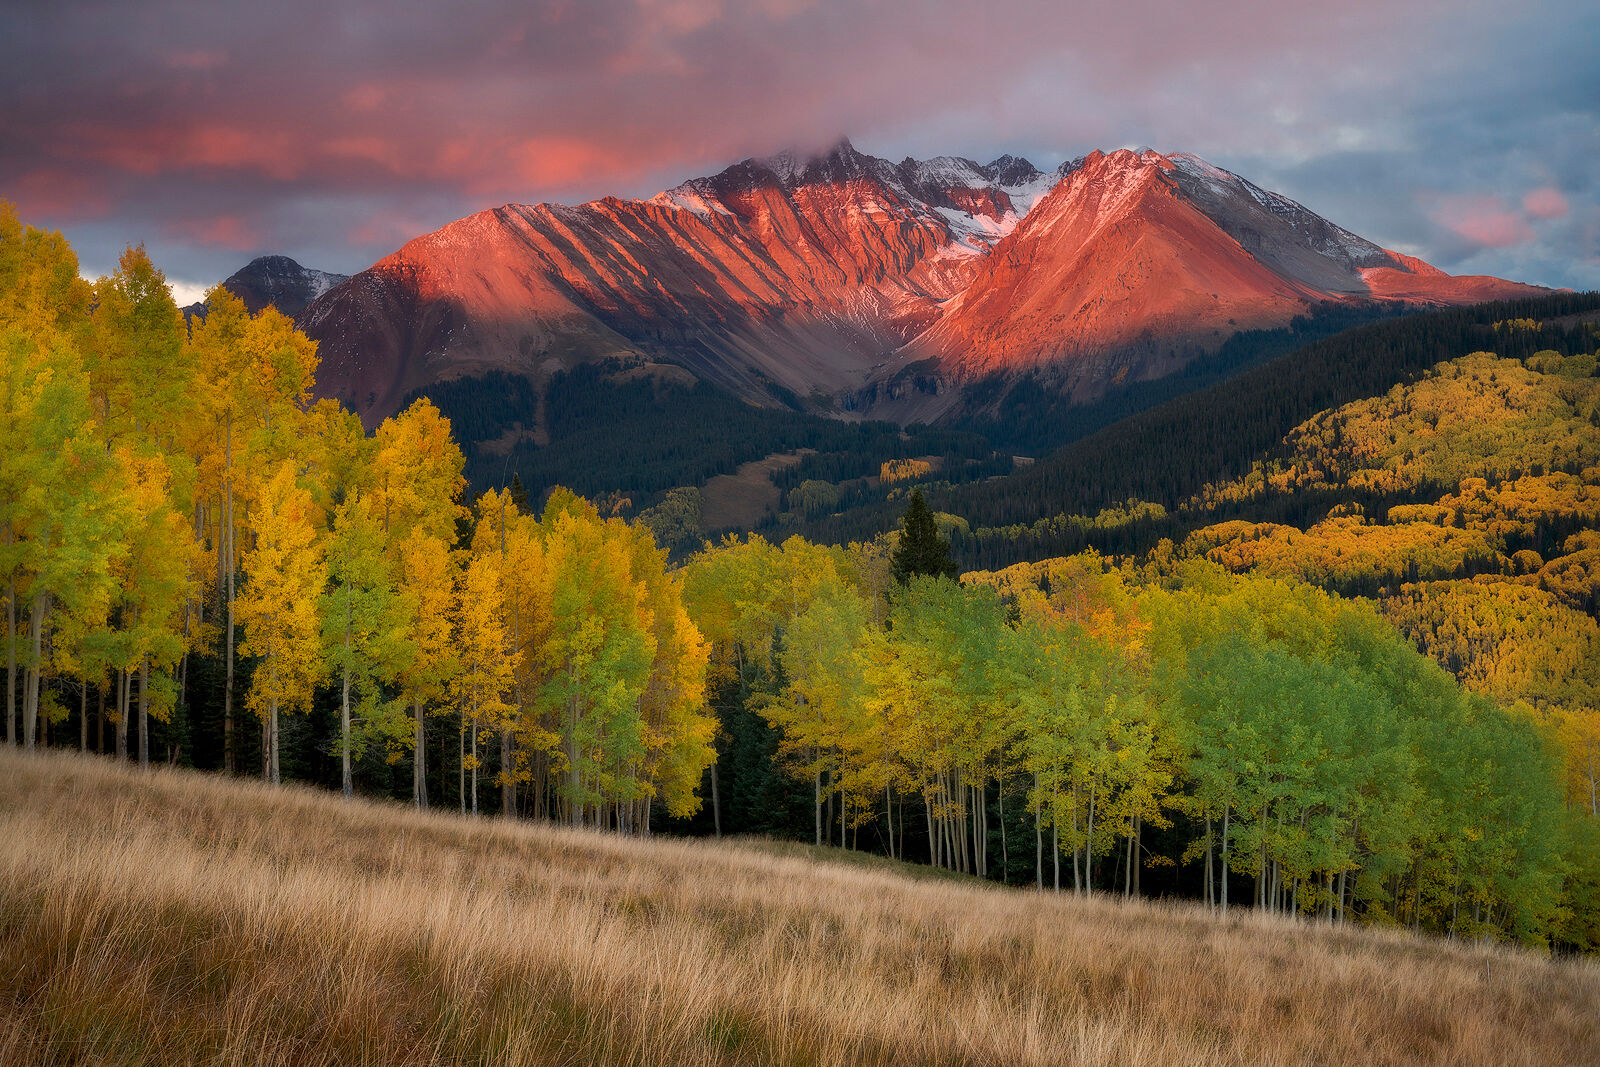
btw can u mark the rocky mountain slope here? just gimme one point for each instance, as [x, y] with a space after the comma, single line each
[275, 281]
[844, 281]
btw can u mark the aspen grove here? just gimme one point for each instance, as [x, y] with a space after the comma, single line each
[187, 537]
[170, 491]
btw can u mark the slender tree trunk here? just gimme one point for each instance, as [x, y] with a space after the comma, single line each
[508, 783]
[1226, 811]
[1038, 836]
[716, 802]
[30, 694]
[419, 761]
[1088, 846]
[122, 714]
[1005, 850]
[344, 729]
[276, 766]
[842, 816]
[344, 698]
[228, 546]
[827, 819]
[100, 718]
[474, 733]
[13, 734]
[888, 817]
[1211, 895]
[1127, 877]
[144, 712]
[461, 763]
[816, 804]
[83, 718]
[1055, 856]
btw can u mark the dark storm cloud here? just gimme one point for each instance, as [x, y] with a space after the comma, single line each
[1464, 132]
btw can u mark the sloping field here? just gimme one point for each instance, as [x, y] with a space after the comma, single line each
[171, 918]
[747, 496]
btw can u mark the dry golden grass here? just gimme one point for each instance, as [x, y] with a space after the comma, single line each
[180, 918]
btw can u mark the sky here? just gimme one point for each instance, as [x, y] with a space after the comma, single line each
[1465, 132]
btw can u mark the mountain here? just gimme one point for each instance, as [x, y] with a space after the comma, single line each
[844, 281]
[275, 281]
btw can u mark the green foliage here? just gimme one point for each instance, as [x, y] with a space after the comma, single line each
[675, 519]
[675, 434]
[921, 549]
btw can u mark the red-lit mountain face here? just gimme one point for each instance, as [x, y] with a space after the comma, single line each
[848, 281]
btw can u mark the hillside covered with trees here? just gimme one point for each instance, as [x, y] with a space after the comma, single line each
[203, 566]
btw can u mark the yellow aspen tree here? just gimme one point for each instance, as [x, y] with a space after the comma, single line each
[417, 473]
[678, 733]
[598, 657]
[528, 744]
[362, 631]
[43, 403]
[284, 574]
[427, 591]
[485, 673]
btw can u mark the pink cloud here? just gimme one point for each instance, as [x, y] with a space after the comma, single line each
[1482, 219]
[223, 231]
[56, 192]
[1546, 202]
[199, 59]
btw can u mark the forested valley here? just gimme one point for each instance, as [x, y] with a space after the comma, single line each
[1374, 701]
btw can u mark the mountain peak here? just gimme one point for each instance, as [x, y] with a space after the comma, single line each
[275, 281]
[828, 273]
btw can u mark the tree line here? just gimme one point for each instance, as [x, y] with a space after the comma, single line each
[171, 496]
[1078, 726]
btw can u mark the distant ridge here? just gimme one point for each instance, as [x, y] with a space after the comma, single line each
[275, 281]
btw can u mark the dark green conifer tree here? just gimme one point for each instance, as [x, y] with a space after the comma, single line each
[921, 550]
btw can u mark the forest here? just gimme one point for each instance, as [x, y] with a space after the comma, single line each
[1163, 456]
[681, 432]
[204, 566]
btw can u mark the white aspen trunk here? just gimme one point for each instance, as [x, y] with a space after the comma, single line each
[816, 803]
[273, 730]
[30, 694]
[842, 816]
[1211, 896]
[1005, 850]
[344, 730]
[1594, 791]
[1038, 836]
[1055, 857]
[1127, 872]
[508, 784]
[474, 732]
[1226, 811]
[1088, 845]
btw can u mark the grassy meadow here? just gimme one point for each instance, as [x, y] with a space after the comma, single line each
[174, 917]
